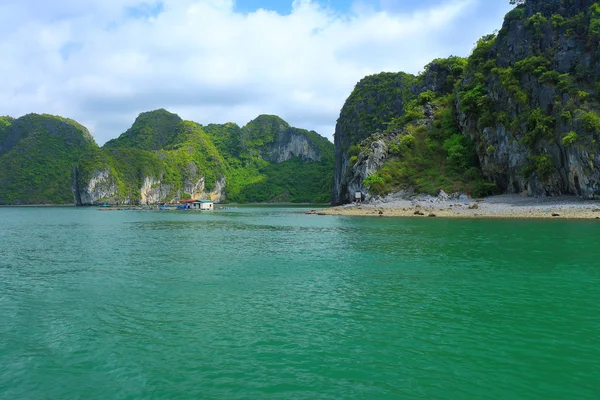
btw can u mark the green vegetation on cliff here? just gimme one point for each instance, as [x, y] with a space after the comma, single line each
[520, 114]
[375, 101]
[37, 154]
[255, 175]
[48, 159]
[152, 131]
[427, 153]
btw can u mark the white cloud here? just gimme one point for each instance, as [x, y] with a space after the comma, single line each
[93, 62]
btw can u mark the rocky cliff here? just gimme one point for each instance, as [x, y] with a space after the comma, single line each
[375, 101]
[48, 159]
[276, 141]
[374, 119]
[535, 119]
[293, 143]
[520, 115]
[37, 153]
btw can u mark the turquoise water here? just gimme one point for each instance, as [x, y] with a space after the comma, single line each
[270, 303]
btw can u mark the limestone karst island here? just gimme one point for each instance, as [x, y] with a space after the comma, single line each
[226, 207]
[518, 116]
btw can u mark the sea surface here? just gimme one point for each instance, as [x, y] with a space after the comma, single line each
[270, 303]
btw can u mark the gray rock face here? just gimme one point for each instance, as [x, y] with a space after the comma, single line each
[369, 162]
[503, 156]
[292, 143]
[101, 188]
[362, 115]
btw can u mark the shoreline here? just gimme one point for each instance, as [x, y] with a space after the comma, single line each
[495, 207]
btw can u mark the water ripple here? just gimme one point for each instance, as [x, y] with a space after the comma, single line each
[270, 303]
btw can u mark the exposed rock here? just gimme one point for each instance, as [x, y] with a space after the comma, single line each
[443, 196]
[501, 150]
[557, 32]
[363, 114]
[369, 162]
[100, 188]
[293, 143]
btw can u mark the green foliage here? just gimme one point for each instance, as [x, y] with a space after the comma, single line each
[510, 81]
[566, 116]
[483, 188]
[294, 181]
[227, 139]
[153, 130]
[590, 121]
[252, 178]
[594, 29]
[375, 183]
[430, 159]
[37, 154]
[441, 156]
[481, 50]
[550, 77]
[5, 122]
[413, 112]
[557, 20]
[373, 104]
[566, 83]
[543, 165]
[408, 141]
[539, 125]
[569, 139]
[577, 25]
[354, 150]
[460, 151]
[537, 23]
[583, 96]
[263, 131]
[474, 99]
[426, 97]
[515, 14]
[452, 68]
[536, 65]
[454, 65]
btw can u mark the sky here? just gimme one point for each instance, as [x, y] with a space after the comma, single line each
[102, 62]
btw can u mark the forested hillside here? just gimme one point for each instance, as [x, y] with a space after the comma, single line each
[519, 115]
[48, 159]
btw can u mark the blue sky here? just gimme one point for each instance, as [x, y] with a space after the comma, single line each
[102, 62]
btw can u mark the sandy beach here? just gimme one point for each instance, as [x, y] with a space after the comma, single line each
[504, 206]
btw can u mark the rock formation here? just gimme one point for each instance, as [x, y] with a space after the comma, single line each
[526, 102]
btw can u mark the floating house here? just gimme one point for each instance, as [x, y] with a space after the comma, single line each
[204, 205]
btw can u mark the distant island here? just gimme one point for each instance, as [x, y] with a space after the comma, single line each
[48, 159]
